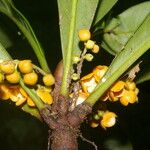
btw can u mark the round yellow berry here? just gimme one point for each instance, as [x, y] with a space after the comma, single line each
[95, 48]
[30, 78]
[13, 78]
[48, 79]
[128, 97]
[130, 85]
[25, 66]
[118, 86]
[108, 119]
[4, 92]
[84, 35]
[7, 67]
[30, 102]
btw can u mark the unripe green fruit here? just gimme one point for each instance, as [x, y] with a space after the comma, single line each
[89, 44]
[76, 59]
[88, 57]
[75, 76]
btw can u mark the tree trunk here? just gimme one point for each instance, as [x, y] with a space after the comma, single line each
[64, 139]
[65, 125]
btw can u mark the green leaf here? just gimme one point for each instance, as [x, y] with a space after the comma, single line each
[3, 53]
[8, 8]
[103, 8]
[4, 38]
[120, 29]
[138, 44]
[73, 15]
[144, 76]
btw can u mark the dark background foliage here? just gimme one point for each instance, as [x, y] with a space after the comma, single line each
[20, 131]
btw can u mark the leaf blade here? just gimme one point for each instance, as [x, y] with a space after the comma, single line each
[121, 29]
[103, 8]
[135, 47]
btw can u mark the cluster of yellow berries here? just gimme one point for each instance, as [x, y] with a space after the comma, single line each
[10, 74]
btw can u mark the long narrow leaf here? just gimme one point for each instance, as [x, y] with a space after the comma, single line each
[7, 7]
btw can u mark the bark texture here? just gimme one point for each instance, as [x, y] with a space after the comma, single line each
[65, 124]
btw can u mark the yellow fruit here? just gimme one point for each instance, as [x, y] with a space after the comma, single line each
[48, 80]
[25, 66]
[130, 85]
[89, 44]
[7, 67]
[30, 78]
[108, 119]
[4, 92]
[118, 86]
[94, 124]
[99, 72]
[95, 48]
[45, 96]
[30, 102]
[23, 92]
[128, 97]
[21, 100]
[113, 97]
[13, 78]
[124, 102]
[88, 83]
[84, 35]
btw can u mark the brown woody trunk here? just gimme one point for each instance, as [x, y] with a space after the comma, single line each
[64, 139]
[65, 126]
